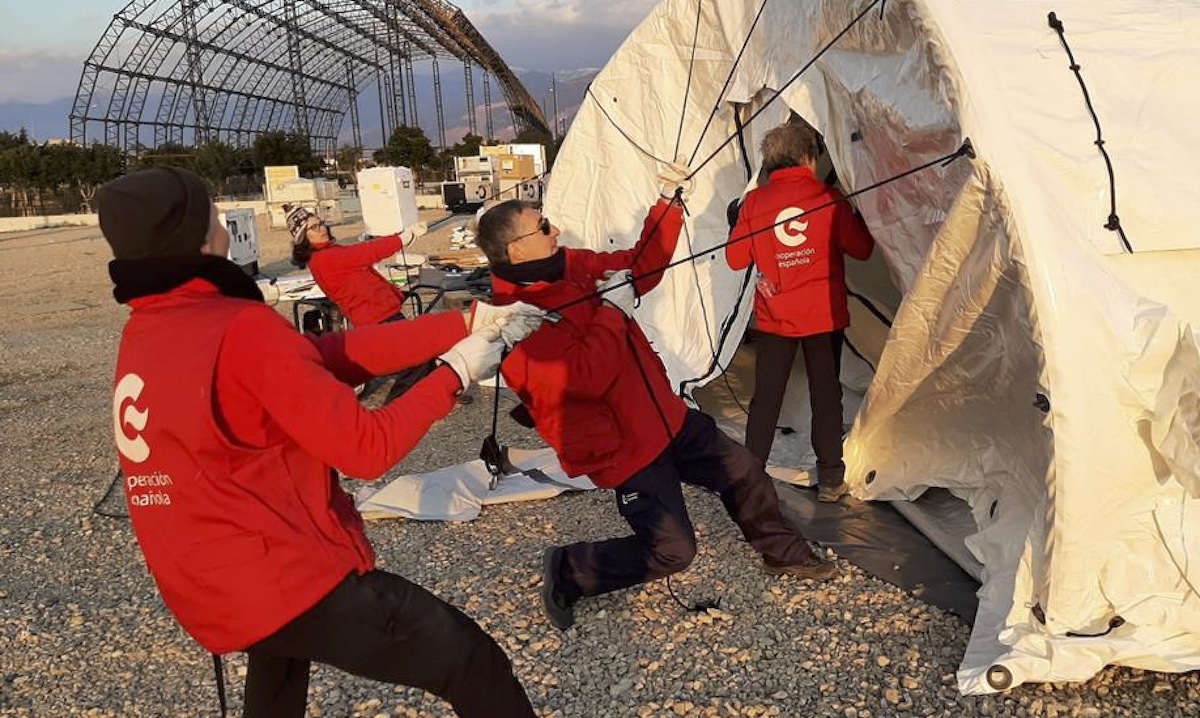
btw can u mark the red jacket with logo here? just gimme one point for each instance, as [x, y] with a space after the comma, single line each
[228, 425]
[346, 274]
[592, 382]
[803, 259]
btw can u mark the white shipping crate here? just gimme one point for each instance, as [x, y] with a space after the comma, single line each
[389, 200]
[243, 238]
[299, 190]
[529, 190]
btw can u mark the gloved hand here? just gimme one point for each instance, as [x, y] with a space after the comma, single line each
[475, 357]
[410, 234]
[621, 296]
[515, 321]
[673, 176]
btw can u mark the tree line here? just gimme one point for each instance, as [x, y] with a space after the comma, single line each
[62, 178]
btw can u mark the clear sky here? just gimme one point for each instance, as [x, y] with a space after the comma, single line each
[43, 44]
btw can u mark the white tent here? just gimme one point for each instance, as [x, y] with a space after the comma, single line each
[1035, 368]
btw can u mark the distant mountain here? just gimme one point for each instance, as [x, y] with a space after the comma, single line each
[50, 120]
[570, 88]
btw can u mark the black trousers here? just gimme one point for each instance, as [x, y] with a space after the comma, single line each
[663, 540]
[386, 628]
[823, 364]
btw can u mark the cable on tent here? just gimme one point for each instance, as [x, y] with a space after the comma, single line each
[617, 127]
[1113, 623]
[1114, 222]
[964, 150]
[730, 320]
[728, 79]
[788, 84]
[687, 89]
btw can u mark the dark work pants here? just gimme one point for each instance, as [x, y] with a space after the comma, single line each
[663, 540]
[386, 628]
[823, 364]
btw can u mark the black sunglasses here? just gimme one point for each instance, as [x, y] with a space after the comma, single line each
[543, 227]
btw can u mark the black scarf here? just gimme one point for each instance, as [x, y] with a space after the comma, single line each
[133, 278]
[550, 269]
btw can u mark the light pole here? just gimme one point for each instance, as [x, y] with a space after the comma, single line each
[554, 96]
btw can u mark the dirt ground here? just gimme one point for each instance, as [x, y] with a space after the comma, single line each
[84, 632]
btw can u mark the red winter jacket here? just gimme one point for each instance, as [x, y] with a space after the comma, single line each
[802, 260]
[346, 274]
[229, 425]
[580, 377]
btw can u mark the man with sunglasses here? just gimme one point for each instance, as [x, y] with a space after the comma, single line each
[600, 396]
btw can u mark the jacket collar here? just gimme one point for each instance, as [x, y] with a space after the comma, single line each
[794, 174]
[546, 295]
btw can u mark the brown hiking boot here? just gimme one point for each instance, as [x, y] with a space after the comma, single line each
[830, 494]
[811, 567]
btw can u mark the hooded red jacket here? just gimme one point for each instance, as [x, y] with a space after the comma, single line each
[802, 259]
[346, 274]
[596, 389]
[228, 425]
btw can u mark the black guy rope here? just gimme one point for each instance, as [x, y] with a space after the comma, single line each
[1114, 222]
[728, 79]
[687, 88]
[788, 84]
[966, 149]
[617, 127]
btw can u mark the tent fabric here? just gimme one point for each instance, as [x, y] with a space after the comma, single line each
[1033, 368]
[459, 492]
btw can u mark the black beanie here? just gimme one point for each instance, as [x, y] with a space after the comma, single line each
[161, 212]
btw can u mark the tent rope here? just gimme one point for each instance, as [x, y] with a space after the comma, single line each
[617, 127]
[687, 89]
[1114, 221]
[964, 150]
[728, 79]
[787, 84]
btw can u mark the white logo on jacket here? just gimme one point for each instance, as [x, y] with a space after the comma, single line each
[126, 412]
[789, 230]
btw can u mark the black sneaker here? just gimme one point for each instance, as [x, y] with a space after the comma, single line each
[559, 609]
[811, 567]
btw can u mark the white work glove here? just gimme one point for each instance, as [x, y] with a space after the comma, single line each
[622, 296]
[673, 176]
[515, 321]
[410, 234]
[475, 357]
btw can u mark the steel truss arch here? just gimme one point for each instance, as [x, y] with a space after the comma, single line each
[191, 71]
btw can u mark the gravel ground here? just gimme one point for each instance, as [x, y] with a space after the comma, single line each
[83, 632]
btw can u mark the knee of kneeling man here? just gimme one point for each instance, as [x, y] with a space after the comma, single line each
[676, 556]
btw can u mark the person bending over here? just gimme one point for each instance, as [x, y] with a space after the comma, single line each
[600, 396]
[230, 428]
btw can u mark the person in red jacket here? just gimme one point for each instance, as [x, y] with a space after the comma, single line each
[229, 425]
[800, 297]
[600, 396]
[346, 272]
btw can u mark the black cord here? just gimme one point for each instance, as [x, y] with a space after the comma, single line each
[219, 671]
[699, 605]
[786, 85]
[966, 149]
[1114, 222]
[617, 127]
[728, 79]
[108, 492]
[687, 88]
